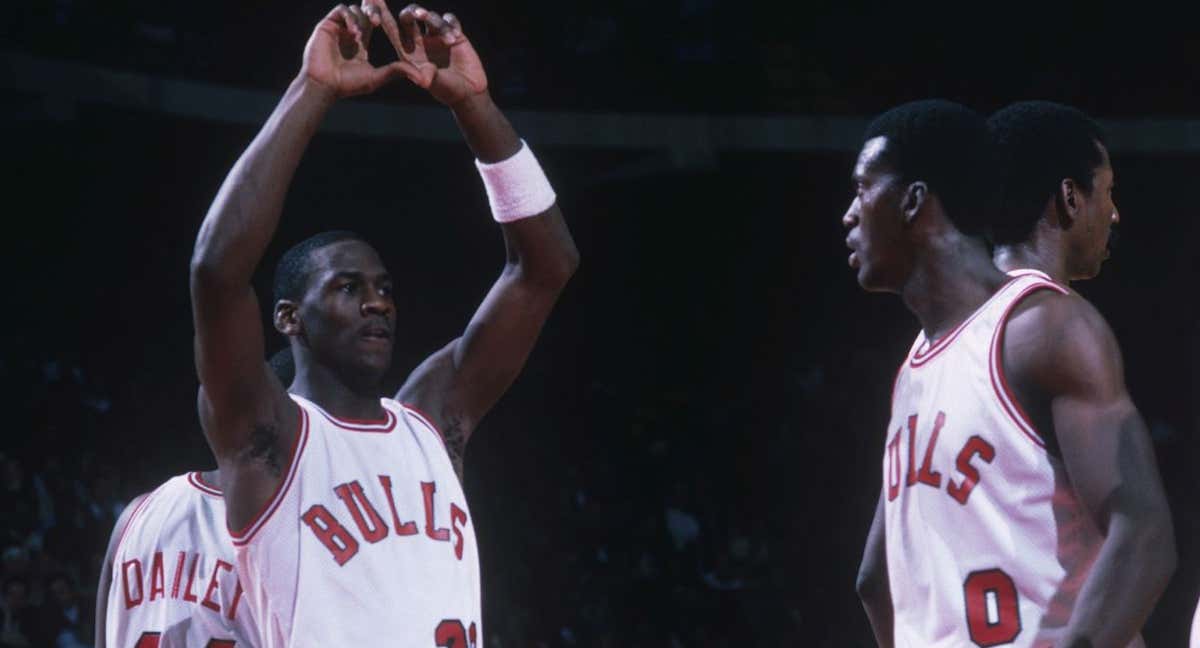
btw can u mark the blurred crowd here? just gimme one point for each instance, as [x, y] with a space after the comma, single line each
[614, 562]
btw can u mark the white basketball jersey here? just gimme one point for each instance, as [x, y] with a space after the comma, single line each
[1195, 641]
[174, 583]
[987, 543]
[368, 541]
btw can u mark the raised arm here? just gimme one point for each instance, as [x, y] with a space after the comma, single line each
[246, 414]
[106, 570]
[458, 384]
[872, 582]
[1061, 347]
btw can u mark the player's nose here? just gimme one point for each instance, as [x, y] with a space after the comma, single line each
[850, 218]
[376, 304]
[1116, 215]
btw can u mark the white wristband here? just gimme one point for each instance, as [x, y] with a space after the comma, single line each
[517, 187]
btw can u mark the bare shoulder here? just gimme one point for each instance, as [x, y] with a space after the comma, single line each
[1061, 343]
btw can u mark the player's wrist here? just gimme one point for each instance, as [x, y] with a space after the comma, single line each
[517, 186]
[472, 104]
[305, 87]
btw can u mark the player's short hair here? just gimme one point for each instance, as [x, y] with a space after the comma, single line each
[1040, 143]
[295, 266]
[947, 146]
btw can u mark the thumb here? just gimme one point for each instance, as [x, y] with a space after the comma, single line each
[409, 71]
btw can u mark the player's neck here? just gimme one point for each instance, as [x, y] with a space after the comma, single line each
[211, 477]
[1036, 254]
[325, 388]
[952, 279]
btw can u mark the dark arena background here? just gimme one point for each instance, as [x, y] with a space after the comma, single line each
[691, 456]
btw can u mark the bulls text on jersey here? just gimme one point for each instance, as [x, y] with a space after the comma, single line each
[975, 448]
[343, 544]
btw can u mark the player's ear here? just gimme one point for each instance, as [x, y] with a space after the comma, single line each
[913, 200]
[1066, 203]
[287, 317]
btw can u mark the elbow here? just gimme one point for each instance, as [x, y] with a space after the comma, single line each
[869, 583]
[548, 272]
[569, 263]
[1160, 542]
[208, 273]
[204, 270]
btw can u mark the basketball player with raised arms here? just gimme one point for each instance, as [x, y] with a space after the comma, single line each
[168, 576]
[348, 520]
[1018, 479]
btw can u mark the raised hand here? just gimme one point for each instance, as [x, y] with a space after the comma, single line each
[434, 52]
[336, 54]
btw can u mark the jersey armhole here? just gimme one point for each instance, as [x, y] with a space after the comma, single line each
[1000, 387]
[246, 533]
[428, 422]
[129, 522]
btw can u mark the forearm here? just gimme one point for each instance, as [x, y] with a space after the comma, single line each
[487, 131]
[1129, 575]
[243, 217]
[879, 612]
[542, 249]
[872, 582]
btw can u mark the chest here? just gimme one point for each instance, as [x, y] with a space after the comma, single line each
[381, 496]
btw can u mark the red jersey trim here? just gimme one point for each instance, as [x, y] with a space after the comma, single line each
[1008, 401]
[246, 534]
[421, 416]
[196, 479]
[922, 356]
[1027, 272]
[132, 517]
[362, 425]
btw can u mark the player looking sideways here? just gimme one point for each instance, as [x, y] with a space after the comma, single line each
[1057, 208]
[349, 524]
[1016, 472]
[1056, 217]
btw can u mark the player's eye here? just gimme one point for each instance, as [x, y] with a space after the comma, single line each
[386, 291]
[348, 288]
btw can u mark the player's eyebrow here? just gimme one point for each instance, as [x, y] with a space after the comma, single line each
[356, 275]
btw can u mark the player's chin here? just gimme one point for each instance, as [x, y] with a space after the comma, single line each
[375, 358]
[869, 280]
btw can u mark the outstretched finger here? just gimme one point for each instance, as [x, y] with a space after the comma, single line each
[364, 25]
[456, 31]
[372, 12]
[410, 29]
[380, 9]
[435, 25]
[342, 16]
